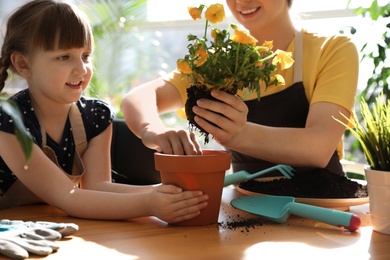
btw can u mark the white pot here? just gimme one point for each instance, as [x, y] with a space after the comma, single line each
[378, 184]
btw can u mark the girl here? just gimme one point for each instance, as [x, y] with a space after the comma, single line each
[50, 45]
[290, 125]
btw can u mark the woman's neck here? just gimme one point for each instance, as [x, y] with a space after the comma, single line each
[280, 35]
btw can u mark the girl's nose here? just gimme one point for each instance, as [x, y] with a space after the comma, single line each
[80, 67]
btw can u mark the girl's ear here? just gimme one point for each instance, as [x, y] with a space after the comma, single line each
[20, 64]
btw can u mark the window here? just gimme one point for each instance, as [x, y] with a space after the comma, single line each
[330, 16]
[153, 47]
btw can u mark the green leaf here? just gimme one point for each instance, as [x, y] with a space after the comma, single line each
[373, 131]
[23, 135]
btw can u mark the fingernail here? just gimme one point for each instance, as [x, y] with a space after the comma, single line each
[214, 93]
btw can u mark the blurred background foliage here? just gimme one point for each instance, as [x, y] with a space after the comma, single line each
[127, 51]
[379, 81]
[116, 63]
[376, 53]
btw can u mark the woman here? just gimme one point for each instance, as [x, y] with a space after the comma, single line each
[291, 125]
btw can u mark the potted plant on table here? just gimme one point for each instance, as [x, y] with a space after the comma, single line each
[226, 63]
[373, 134]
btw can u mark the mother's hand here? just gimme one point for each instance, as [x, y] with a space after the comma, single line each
[224, 120]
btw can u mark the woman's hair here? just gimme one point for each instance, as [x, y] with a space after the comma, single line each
[289, 2]
[44, 24]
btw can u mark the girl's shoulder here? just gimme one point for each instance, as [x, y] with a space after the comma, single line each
[22, 101]
[97, 115]
[95, 106]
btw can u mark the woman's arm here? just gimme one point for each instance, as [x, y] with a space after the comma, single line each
[141, 108]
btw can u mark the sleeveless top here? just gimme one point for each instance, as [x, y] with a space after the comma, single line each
[288, 108]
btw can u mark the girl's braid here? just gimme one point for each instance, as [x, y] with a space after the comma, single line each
[4, 65]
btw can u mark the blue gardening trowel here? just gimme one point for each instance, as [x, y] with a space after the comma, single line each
[279, 208]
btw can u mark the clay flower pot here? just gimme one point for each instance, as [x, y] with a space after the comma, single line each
[197, 172]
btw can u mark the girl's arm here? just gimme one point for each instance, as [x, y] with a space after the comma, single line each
[141, 108]
[48, 182]
[97, 165]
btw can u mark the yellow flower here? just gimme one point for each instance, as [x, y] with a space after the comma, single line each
[266, 46]
[284, 58]
[215, 13]
[242, 36]
[183, 66]
[202, 57]
[279, 78]
[228, 59]
[259, 63]
[195, 12]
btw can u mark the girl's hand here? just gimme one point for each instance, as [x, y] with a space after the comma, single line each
[177, 142]
[171, 204]
[228, 116]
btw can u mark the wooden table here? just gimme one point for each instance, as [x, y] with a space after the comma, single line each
[150, 238]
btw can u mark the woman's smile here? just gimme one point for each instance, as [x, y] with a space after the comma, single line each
[249, 11]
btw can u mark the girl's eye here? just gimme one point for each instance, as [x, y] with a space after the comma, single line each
[87, 57]
[64, 57]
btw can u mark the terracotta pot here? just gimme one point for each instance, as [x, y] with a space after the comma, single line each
[197, 172]
[378, 185]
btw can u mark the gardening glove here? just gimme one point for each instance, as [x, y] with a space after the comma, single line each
[65, 229]
[17, 243]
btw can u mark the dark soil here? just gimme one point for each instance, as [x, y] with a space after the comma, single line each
[193, 94]
[244, 225]
[317, 183]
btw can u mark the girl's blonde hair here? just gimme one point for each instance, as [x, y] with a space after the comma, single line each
[45, 24]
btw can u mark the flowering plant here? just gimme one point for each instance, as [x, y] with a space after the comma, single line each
[228, 62]
[373, 132]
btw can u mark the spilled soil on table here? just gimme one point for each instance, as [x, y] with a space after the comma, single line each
[316, 183]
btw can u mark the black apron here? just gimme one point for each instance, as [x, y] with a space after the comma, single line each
[288, 108]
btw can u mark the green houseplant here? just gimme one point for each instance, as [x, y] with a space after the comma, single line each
[373, 134]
